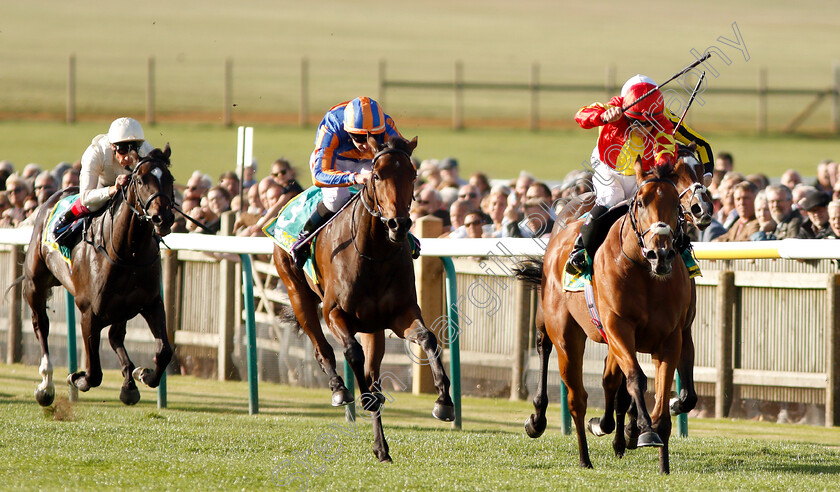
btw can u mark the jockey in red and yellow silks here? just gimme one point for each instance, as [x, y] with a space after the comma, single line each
[646, 130]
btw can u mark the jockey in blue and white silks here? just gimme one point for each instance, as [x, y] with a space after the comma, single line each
[342, 158]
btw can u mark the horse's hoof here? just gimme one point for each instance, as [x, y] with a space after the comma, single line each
[79, 381]
[675, 406]
[143, 374]
[341, 397]
[130, 396]
[445, 413]
[45, 397]
[650, 439]
[594, 426]
[534, 429]
[386, 459]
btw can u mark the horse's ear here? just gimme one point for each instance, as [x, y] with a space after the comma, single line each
[413, 144]
[637, 167]
[692, 146]
[167, 151]
[372, 142]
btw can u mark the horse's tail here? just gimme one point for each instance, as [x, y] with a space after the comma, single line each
[286, 315]
[17, 281]
[529, 270]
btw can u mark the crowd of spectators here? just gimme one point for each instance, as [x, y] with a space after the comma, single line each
[747, 207]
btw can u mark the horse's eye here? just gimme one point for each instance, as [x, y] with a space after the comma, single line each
[376, 177]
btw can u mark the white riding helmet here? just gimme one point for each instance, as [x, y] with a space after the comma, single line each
[125, 130]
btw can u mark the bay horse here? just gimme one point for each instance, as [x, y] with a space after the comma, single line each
[114, 275]
[644, 300]
[365, 282]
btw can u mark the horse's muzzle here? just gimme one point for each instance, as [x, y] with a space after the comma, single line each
[163, 222]
[702, 213]
[661, 260]
[398, 228]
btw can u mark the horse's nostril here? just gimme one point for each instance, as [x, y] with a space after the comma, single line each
[650, 255]
[156, 219]
[696, 210]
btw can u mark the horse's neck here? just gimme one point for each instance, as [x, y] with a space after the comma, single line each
[124, 233]
[624, 240]
[369, 230]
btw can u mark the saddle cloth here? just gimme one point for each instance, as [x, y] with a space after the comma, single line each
[48, 234]
[287, 226]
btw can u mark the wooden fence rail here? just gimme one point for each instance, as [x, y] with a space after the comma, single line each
[765, 329]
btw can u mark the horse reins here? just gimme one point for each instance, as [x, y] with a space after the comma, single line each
[655, 228]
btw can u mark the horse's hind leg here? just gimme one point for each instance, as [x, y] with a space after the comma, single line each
[155, 317]
[37, 300]
[687, 399]
[418, 333]
[570, 342]
[304, 304]
[92, 377]
[611, 379]
[129, 394]
[536, 423]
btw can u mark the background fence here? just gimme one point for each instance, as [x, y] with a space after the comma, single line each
[765, 329]
[518, 94]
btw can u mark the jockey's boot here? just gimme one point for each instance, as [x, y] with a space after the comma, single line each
[584, 243]
[62, 228]
[300, 250]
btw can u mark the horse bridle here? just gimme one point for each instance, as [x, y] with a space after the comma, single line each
[144, 215]
[375, 210]
[657, 228]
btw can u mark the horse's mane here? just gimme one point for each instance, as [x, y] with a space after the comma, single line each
[665, 171]
[159, 155]
[398, 143]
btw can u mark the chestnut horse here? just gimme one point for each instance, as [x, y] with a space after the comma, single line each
[696, 203]
[365, 280]
[644, 300]
[115, 275]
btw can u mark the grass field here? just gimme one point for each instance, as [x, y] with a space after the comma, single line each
[497, 41]
[206, 440]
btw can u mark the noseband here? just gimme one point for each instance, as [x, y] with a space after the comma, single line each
[657, 228]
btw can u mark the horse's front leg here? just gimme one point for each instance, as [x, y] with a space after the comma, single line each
[623, 349]
[418, 333]
[373, 345]
[665, 363]
[91, 331]
[155, 316]
[342, 326]
[129, 394]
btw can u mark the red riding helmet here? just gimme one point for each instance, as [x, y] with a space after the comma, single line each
[650, 107]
